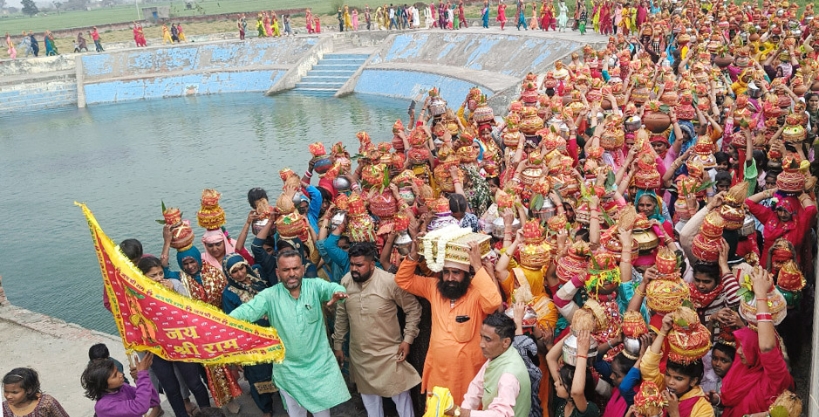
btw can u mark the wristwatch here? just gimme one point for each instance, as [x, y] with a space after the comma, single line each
[457, 412]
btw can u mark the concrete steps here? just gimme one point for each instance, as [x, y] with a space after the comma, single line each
[330, 74]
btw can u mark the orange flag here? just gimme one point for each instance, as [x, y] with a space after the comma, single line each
[153, 318]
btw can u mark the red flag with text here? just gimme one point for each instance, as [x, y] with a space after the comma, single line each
[153, 318]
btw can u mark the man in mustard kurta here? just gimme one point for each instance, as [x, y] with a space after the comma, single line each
[378, 352]
[460, 302]
[308, 377]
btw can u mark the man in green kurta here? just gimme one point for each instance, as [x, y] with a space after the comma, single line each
[309, 377]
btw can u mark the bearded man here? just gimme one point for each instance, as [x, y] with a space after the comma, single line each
[378, 351]
[461, 296]
[308, 377]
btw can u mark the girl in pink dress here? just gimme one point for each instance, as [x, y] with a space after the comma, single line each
[268, 29]
[11, 49]
[355, 19]
[502, 14]
[308, 18]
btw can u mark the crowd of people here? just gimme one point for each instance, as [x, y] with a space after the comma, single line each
[269, 25]
[30, 46]
[635, 236]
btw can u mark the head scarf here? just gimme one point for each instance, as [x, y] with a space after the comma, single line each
[327, 184]
[661, 139]
[231, 261]
[747, 388]
[791, 204]
[644, 260]
[658, 207]
[193, 252]
[480, 148]
[213, 236]
[688, 127]
[781, 251]
[245, 291]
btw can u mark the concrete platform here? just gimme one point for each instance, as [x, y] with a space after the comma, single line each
[58, 351]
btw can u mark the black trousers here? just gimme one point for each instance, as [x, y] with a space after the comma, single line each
[190, 373]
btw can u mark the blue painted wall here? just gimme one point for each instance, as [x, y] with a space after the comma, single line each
[38, 97]
[411, 85]
[190, 69]
[195, 57]
[509, 54]
[175, 86]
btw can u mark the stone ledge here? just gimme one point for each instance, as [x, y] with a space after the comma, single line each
[255, 68]
[49, 325]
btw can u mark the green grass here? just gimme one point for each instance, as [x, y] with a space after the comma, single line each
[16, 23]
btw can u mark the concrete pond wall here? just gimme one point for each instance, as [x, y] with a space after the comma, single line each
[410, 64]
[401, 65]
[38, 83]
[190, 69]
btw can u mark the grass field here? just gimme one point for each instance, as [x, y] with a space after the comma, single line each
[17, 23]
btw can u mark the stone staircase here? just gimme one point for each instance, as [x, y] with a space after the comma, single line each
[330, 74]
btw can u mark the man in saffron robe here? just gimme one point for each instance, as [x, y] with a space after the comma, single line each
[460, 302]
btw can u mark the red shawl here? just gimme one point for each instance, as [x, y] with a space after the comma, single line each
[703, 300]
[753, 388]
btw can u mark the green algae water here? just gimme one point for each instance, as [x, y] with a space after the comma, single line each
[124, 159]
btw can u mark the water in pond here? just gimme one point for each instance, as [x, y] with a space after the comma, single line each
[123, 159]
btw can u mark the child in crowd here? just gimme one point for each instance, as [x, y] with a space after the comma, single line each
[100, 351]
[105, 384]
[680, 385]
[574, 385]
[21, 389]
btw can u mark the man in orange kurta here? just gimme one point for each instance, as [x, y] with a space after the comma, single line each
[454, 355]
